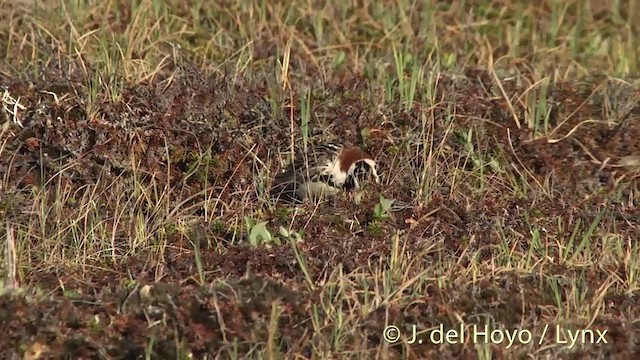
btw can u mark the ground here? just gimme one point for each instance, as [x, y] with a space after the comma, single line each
[138, 141]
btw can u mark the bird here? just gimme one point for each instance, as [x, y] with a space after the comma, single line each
[326, 169]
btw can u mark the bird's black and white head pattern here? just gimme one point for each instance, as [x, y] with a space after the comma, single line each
[326, 169]
[360, 172]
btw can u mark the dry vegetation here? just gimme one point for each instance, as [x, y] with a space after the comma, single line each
[137, 139]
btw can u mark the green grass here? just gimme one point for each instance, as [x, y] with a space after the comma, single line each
[139, 139]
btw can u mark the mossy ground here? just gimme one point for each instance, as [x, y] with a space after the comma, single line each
[138, 139]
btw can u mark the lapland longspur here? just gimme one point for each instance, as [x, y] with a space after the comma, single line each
[325, 169]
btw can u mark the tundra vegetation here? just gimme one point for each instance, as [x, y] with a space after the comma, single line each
[138, 141]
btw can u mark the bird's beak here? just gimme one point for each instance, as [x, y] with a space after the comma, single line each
[376, 178]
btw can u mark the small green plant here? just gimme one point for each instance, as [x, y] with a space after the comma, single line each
[381, 210]
[405, 61]
[479, 160]
[539, 108]
[218, 226]
[294, 238]
[198, 258]
[305, 109]
[71, 294]
[291, 234]
[374, 228]
[258, 233]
